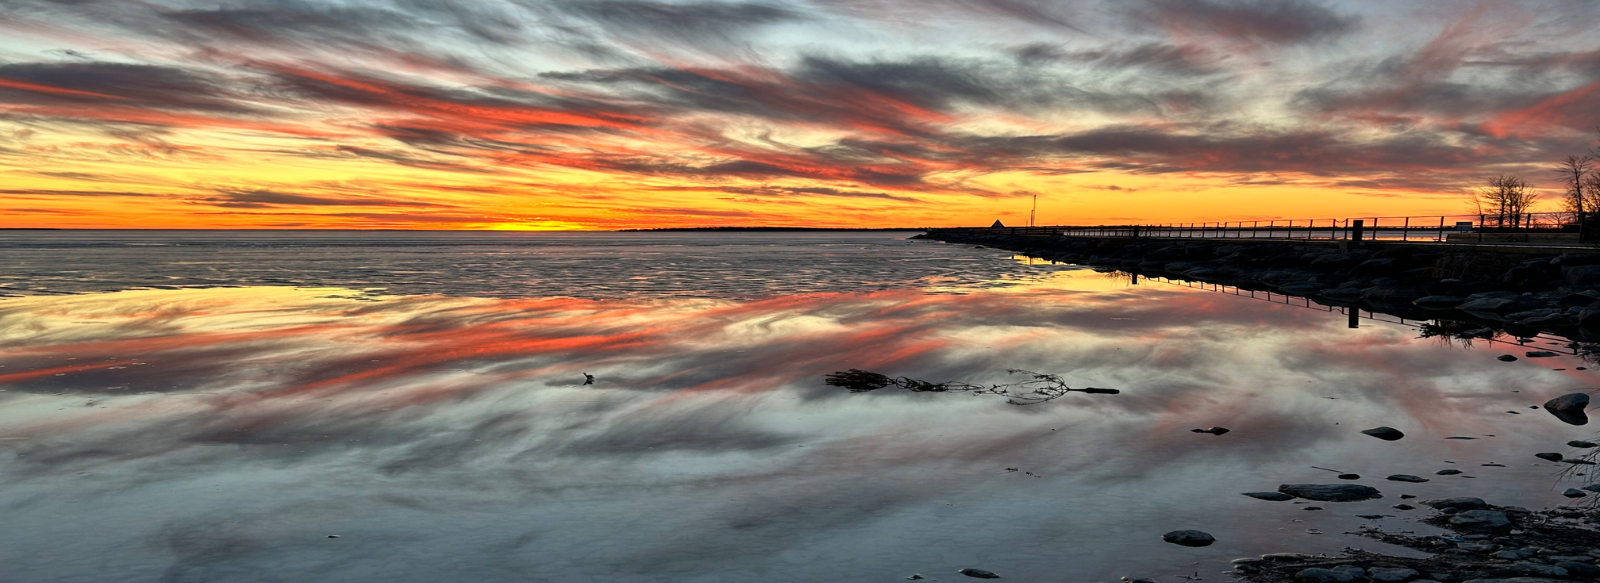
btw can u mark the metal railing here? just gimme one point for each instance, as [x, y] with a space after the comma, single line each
[1545, 228]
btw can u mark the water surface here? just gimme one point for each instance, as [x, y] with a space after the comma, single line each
[223, 434]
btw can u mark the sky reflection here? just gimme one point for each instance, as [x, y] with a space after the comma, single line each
[199, 435]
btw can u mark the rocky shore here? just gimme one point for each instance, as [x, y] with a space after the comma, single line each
[1484, 544]
[1523, 292]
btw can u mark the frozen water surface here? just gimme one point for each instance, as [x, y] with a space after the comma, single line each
[224, 434]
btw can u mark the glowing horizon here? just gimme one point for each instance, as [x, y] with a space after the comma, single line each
[618, 114]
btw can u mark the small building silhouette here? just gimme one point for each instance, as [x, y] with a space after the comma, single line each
[997, 225]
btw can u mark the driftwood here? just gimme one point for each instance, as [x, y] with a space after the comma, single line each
[1037, 389]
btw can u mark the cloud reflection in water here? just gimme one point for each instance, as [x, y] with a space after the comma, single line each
[219, 434]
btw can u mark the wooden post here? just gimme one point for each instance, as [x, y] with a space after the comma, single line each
[1356, 233]
[1404, 231]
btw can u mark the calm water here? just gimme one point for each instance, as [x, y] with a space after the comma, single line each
[441, 429]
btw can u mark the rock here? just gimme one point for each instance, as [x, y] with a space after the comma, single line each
[1438, 301]
[1349, 476]
[1526, 568]
[1331, 492]
[1481, 522]
[1139, 580]
[1370, 516]
[1446, 472]
[1578, 569]
[1457, 503]
[1490, 305]
[1385, 433]
[1574, 493]
[1540, 354]
[1569, 407]
[1506, 358]
[1319, 575]
[1189, 538]
[1213, 430]
[1582, 444]
[1312, 508]
[1582, 275]
[1269, 496]
[1552, 456]
[915, 576]
[1514, 555]
[1516, 580]
[1592, 487]
[1582, 462]
[978, 573]
[1403, 507]
[1406, 478]
[1392, 575]
[1478, 547]
[1589, 316]
[1406, 496]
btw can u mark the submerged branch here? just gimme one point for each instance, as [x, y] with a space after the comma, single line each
[1037, 389]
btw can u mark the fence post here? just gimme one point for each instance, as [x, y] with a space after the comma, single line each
[1404, 231]
[1441, 237]
[1356, 233]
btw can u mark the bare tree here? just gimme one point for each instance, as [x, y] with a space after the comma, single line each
[1575, 171]
[1506, 199]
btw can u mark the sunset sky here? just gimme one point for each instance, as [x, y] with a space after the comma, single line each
[606, 114]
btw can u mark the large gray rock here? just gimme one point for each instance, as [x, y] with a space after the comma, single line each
[978, 573]
[1189, 538]
[1481, 522]
[1392, 575]
[1582, 275]
[1569, 407]
[1590, 316]
[1491, 305]
[1331, 492]
[1457, 503]
[1385, 433]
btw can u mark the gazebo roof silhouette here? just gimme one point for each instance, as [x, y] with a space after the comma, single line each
[997, 225]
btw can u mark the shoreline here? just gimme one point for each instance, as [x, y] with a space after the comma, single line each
[1523, 293]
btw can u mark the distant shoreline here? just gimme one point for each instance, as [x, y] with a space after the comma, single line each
[773, 229]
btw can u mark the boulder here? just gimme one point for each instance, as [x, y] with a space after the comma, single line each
[1385, 433]
[1590, 315]
[1406, 478]
[978, 573]
[1189, 538]
[1582, 275]
[1270, 496]
[1481, 522]
[1574, 493]
[1392, 575]
[1490, 305]
[1446, 472]
[1569, 407]
[1551, 456]
[1506, 358]
[1582, 444]
[1331, 492]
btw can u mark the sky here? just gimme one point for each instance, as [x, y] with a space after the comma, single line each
[615, 114]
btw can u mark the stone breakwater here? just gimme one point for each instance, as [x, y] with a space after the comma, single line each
[1524, 291]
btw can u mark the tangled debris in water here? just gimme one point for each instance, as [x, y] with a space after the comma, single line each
[1037, 389]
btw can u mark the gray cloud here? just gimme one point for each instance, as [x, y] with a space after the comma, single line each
[1279, 22]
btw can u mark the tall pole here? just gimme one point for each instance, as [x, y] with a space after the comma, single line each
[1034, 210]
